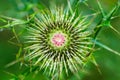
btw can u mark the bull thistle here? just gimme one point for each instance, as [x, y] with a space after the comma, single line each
[58, 40]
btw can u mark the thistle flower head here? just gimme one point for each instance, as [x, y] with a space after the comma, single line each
[58, 40]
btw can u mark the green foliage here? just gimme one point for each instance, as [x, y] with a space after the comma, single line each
[101, 64]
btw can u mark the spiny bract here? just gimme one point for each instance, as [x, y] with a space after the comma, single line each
[58, 40]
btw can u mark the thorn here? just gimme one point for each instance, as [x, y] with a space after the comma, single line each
[69, 5]
[106, 47]
[115, 30]
[101, 9]
[97, 66]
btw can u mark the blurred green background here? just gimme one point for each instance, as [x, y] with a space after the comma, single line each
[109, 63]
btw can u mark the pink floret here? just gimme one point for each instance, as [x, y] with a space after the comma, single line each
[58, 39]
